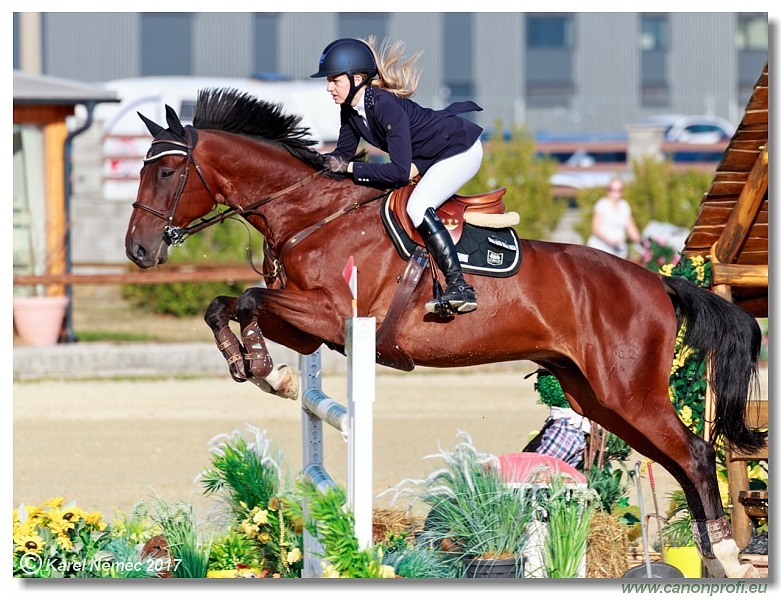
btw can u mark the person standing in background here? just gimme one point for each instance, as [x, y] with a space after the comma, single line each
[612, 222]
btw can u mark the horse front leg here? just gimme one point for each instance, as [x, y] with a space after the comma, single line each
[281, 316]
[220, 312]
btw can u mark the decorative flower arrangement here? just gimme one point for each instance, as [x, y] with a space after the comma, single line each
[334, 525]
[57, 540]
[250, 480]
[656, 254]
[473, 513]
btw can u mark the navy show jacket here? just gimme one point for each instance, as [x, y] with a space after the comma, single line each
[407, 131]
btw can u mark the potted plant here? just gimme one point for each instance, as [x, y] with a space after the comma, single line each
[39, 310]
[679, 548]
[475, 517]
[38, 319]
[570, 511]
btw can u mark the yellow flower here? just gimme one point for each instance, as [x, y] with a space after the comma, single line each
[387, 572]
[666, 269]
[264, 537]
[94, 518]
[64, 542]
[260, 517]
[757, 472]
[34, 513]
[329, 572]
[273, 504]
[686, 416]
[293, 556]
[700, 271]
[723, 490]
[61, 522]
[249, 529]
[54, 502]
[28, 542]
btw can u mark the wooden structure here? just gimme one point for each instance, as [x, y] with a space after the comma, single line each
[731, 230]
[47, 103]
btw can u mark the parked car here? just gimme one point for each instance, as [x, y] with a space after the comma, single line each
[693, 129]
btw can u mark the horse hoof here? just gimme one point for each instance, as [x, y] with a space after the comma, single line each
[288, 382]
[751, 572]
[236, 369]
[237, 377]
[282, 381]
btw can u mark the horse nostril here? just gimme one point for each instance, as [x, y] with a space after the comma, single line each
[137, 252]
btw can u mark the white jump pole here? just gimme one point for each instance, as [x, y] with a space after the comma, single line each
[355, 423]
[361, 340]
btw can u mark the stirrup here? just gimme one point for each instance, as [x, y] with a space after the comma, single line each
[462, 300]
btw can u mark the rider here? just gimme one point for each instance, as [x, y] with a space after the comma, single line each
[373, 88]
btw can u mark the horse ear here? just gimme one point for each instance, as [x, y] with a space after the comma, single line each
[174, 124]
[153, 127]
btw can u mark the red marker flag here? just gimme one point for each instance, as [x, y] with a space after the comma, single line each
[350, 274]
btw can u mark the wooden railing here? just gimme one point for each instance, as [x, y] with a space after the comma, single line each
[121, 274]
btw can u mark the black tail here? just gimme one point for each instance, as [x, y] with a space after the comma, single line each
[730, 338]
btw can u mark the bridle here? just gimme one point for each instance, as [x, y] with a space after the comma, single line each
[172, 234]
[175, 235]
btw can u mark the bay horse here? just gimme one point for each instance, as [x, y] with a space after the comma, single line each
[603, 326]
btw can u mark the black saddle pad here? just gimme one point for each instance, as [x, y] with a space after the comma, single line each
[481, 250]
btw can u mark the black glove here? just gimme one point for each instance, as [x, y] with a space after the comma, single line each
[336, 164]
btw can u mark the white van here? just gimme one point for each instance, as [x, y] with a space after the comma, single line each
[126, 139]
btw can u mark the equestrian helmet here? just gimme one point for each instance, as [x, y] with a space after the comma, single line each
[346, 55]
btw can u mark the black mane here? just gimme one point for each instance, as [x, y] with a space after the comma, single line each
[233, 111]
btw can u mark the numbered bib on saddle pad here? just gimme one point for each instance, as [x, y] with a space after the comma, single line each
[481, 250]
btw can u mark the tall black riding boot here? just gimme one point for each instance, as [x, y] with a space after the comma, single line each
[460, 296]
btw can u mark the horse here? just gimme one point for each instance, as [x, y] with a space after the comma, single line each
[603, 326]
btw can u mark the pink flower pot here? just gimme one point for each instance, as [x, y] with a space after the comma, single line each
[38, 319]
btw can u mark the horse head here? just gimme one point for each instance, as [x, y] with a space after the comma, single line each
[158, 210]
[250, 153]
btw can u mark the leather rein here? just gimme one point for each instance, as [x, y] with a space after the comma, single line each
[175, 236]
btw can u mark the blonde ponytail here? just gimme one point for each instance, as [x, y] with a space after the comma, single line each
[395, 74]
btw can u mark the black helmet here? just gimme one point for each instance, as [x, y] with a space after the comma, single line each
[346, 55]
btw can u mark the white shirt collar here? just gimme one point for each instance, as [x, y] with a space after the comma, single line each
[360, 108]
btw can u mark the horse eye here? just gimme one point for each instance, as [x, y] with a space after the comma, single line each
[166, 173]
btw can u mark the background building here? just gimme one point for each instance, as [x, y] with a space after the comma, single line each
[591, 72]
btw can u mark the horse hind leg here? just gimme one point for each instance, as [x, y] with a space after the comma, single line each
[710, 528]
[692, 462]
[655, 431]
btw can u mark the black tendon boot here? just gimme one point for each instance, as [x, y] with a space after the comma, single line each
[460, 296]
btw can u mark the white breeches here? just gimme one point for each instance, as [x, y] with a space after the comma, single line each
[442, 180]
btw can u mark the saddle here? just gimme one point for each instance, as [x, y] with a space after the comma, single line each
[485, 242]
[485, 210]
